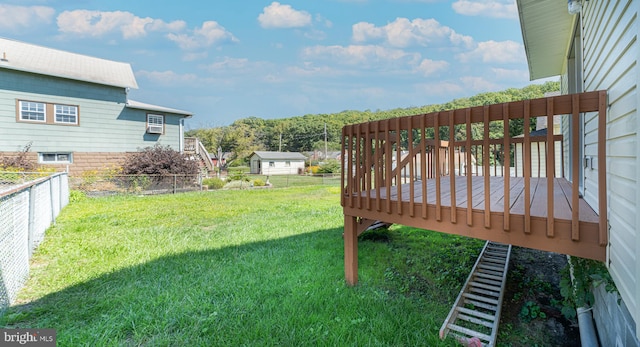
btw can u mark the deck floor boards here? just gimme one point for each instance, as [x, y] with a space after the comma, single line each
[562, 196]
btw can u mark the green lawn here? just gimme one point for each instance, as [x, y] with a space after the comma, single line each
[231, 268]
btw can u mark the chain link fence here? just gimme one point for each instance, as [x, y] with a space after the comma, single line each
[29, 203]
[104, 185]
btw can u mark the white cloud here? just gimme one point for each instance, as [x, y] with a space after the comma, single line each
[207, 35]
[166, 77]
[490, 8]
[510, 75]
[98, 23]
[495, 52]
[360, 55]
[24, 17]
[428, 67]
[405, 33]
[228, 63]
[478, 84]
[440, 88]
[277, 15]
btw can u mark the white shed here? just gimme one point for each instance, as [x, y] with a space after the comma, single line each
[277, 163]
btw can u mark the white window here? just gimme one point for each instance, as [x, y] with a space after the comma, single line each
[272, 164]
[155, 124]
[66, 114]
[33, 111]
[55, 158]
[287, 163]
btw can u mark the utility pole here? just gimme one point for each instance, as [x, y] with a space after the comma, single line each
[325, 141]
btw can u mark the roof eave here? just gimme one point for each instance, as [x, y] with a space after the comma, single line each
[547, 28]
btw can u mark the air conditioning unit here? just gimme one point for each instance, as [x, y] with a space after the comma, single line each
[155, 129]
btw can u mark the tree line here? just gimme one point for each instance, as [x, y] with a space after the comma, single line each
[307, 133]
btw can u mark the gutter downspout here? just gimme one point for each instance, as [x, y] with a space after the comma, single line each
[588, 336]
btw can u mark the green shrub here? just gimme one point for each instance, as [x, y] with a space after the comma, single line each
[76, 195]
[258, 183]
[213, 183]
[329, 166]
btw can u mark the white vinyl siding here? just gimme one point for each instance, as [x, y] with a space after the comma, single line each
[611, 54]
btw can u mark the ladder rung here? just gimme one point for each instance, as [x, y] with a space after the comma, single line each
[469, 332]
[475, 320]
[490, 272]
[476, 313]
[481, 304]
[488, 281]
[492, 268]
[485, 286]
[485, 292]
[480, 298]
[500, 261]
[493, 277]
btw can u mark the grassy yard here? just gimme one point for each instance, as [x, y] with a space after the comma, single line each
[231, 268]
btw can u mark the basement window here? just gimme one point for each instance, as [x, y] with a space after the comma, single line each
[55, 158]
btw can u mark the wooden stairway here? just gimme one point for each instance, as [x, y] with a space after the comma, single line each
[475, 316]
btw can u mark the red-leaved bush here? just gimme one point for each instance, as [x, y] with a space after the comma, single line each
[159, 160]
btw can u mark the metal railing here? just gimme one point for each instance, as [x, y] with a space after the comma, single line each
[29, 204]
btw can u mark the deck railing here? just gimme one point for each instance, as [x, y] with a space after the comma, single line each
[389, 158]
[193, 146]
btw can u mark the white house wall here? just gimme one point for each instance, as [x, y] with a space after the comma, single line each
[611, 53]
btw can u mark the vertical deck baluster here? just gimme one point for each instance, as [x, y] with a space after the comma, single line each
[351, 182]
[468, 169]
[602, 167]
[527, 167]
[398, 163]
[452, 169]
[515, 158]
[344, 155]
[436, 130]
[540, 157]
[377, 161]
[359, 164]
[412, 158]
[550, 155]
[506, 164]
[423, 164]
[486, 171]
[367, 162]
[575, 167]
[388, 162]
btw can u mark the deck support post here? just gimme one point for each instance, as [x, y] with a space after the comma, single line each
[351, 250]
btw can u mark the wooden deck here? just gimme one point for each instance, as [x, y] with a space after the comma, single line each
[406, 171]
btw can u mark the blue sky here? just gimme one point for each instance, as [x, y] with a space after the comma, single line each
[224, 60]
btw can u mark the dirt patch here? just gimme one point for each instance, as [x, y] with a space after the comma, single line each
[533, 283]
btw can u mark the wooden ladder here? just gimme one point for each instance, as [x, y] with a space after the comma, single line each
[475, 316]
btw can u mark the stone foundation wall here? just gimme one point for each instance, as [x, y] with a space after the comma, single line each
[613, 320]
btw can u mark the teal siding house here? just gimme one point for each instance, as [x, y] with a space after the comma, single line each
[73, 110]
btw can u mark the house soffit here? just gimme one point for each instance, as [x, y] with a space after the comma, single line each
[546, 28]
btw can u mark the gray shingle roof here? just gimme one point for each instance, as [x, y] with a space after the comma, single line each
[280, 155]
[27, 57]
